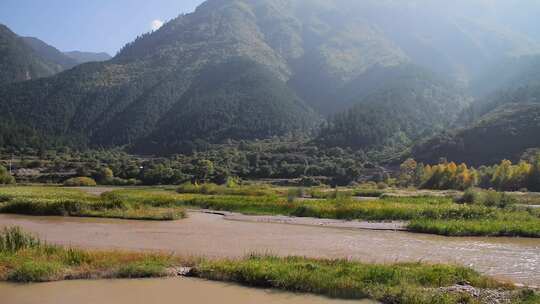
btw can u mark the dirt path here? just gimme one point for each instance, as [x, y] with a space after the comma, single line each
[212, 236]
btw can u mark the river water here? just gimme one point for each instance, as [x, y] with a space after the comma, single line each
[163, 291]
[514, 259]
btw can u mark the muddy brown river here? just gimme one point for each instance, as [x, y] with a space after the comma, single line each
[514, 259]
[163, 291]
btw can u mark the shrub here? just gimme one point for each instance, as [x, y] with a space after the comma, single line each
[294, 193]
[489, 198]
[35, 271]
[5, 177]
[80, 182]
[471, 196]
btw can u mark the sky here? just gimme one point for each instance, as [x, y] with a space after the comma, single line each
[89, 25]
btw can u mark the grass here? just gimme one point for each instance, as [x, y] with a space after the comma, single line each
[213, 189]
[414, 283]
[24, 258]
[493, 215]
[425, 214]
[48, 201]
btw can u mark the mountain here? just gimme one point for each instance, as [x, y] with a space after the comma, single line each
[500, 124]
[84, 57]
[504, 133]
[19, 62]
[300, 59]
[65, 60]
[50, 53]
[393, 107]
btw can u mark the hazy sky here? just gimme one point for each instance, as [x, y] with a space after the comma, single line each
[89, 25]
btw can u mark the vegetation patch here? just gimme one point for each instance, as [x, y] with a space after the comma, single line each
[80, 182]
[414, 283]
[490, 217]
[49, 201]
[24, 258]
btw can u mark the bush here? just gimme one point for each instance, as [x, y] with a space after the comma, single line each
[294, 193]
[382, 186]
[489, 198]
[35, 271]
[5, 177]
[80, 182]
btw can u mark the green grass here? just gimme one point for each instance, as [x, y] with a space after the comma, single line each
[414, 283]
[435, 215]
[213, 189]
[48, 201]
[24, 258]
[424, 213]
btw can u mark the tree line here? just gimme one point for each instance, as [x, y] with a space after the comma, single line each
[506, 176]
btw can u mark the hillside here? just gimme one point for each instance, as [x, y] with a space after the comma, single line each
[504, 133]
[19, 62]
[305, 56]
[500, 123]
[393, 107]
[50, 53]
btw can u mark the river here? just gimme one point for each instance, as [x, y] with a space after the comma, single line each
[163, 291]
[514, 259]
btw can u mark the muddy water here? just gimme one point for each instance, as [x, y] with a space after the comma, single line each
[163, 291]
[212, 236]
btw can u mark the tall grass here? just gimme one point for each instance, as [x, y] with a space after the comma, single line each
[24, 258]
[398, 283]
[68, 202]
[423, 212]
[14, 239]
[213, 189]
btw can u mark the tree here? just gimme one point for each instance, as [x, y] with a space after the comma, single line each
[203, 170]
[534, 175]
[5, 177]
[104, 175]
[407, 171]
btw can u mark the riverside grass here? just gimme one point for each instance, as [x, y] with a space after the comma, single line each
[54, 201]
[25, 259]
[434, 215]
[412, 283]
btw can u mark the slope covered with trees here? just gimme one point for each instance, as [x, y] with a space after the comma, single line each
[50, 53]
[19, 62]
[501, 124]
[504, 133]
[297, 57]
[392, 108]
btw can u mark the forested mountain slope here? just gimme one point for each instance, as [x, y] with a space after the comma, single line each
[393, 107]
[50, 53]
[504, 133]
[500, 124]
[19, 62]
[297, 56]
